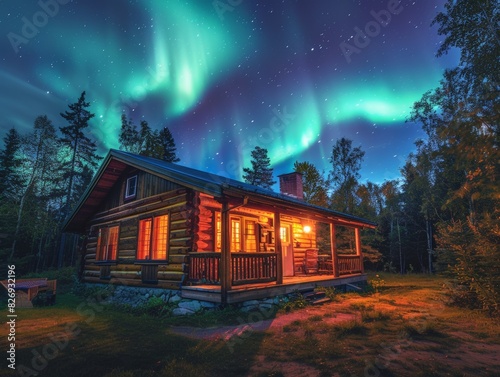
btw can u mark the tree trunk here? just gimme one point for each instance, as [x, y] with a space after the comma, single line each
[401, 263]
[429, 243]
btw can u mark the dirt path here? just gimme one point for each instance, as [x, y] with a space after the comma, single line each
[256, 322]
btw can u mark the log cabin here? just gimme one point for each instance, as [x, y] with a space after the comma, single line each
[150, 223]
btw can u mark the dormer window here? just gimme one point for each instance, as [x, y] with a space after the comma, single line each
[131, 188]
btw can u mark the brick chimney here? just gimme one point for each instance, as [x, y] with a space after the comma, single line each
[291, 185]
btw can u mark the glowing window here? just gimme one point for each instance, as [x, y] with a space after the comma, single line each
[107, 243]
[218, 233]
[250, 236]
[153, 238]
[285, 234]
[235, 235]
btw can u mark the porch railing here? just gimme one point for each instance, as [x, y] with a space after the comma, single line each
[246, 268]
[350, 264]
[204, 267]
[250, 268]
[253, 267]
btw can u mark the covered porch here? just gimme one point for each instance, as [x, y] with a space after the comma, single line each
[301, 251]
[256, 291]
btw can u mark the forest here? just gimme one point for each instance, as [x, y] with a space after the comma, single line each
[441, 216]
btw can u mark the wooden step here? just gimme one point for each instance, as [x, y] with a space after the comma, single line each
[320, 301]
[315, 297]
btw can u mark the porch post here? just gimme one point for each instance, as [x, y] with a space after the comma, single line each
[358, 248]
[277, 242]
[225, 258]
[335, 259]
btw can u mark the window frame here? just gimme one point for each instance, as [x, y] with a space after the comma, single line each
[128, 194]
[237, 242]
[104, 232]
[250, 234]
[153, 238]
[236, 238]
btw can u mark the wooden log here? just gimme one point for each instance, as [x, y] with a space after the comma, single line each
[205, 246]
[129, 267]
[180, 224]
[175, 203]
[180, 233]
[179, 250]
[88, 273]
[205, 237]
[182, 242]
[164, 196]
[177, 259]
[165, 284]
[126, 253]
[125, 275]
[170, 275]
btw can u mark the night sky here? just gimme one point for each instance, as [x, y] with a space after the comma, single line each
[224, 76]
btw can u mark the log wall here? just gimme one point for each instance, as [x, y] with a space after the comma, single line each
[205, 222]
[301, 242]
[178, 203]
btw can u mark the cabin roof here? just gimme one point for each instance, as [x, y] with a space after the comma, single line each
[117, 161]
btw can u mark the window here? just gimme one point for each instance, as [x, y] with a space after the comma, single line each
[242, 239]
[285, 234]
[218, 233]
[131, 187]
[250, 236]
[235, 234]
[107, 243]
[153, 238]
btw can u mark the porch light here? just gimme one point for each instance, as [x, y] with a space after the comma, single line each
[307, 228]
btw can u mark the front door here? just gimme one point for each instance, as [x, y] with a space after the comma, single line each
[287, 249]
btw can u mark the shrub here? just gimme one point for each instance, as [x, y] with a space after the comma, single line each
[155, 307]
[330, 292]
[296, 301]
[377, 283]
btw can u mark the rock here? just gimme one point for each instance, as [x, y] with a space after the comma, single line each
[174, 299]
[182, 311]
[266, 307]
[190, 305]
[251, 303]
[208, 305]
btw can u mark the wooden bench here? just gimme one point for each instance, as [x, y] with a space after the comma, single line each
[28, 289]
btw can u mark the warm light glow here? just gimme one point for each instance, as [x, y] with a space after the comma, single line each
[153, 237]
[307, 228]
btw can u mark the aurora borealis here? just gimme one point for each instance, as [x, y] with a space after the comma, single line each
[227, 75]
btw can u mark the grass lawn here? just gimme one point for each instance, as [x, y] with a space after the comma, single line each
[406, 329]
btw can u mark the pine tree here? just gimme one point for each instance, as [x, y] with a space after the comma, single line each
[11, 183]
[40, 149]
[147, 138]
[10, 162]
[261, 173]
[81, 149]
[168, 145]
[129, 136]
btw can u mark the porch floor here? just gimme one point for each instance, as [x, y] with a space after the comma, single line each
[240, 293]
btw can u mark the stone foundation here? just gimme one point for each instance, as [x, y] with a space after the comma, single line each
[139, 296]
